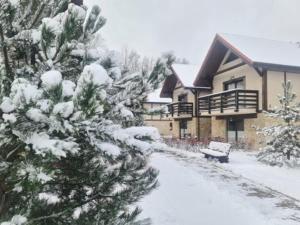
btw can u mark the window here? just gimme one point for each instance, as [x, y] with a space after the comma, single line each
[234, 84]
[182, 98]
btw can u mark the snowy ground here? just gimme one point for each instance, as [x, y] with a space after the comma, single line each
[193, 191]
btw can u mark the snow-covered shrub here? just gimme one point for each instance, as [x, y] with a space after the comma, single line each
[68, 151]
[283, 143]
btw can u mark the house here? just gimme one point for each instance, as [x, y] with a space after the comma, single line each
[239, 79]
[162, 121]
[183, 110]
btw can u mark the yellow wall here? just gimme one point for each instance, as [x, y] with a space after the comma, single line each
[275, 81]
[253, 80]
[179, 90]
[163, 127]
[161, 122]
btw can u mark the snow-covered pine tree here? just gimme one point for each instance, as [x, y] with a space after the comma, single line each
[66, 154]
[283, 144]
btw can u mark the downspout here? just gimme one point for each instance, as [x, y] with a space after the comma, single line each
[197, 115]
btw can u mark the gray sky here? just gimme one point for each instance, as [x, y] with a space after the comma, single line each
[188, 26]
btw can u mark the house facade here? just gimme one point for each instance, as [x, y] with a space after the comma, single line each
[183, 110]
[239, 79]
[162, 121]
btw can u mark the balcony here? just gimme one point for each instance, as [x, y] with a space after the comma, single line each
[181, 109]
[232, 102]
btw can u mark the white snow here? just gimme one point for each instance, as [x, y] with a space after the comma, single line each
[96, 74]
[16, 220]
[42, 144]
[11, 118]
[36, 115]
[185, 197]
[217, 149]
[142, 132]
[7, 105]
[49, 198]
[264, 50]
[44, 105]
[282, 179]
[51, 79]
[213, 152]
[155, 97]
[68, 88]
[109, 148]
[54, 24]
[186, 73]
[42, 177]
[23, 92]
[126, 113]
[14, 2]
[65, 109]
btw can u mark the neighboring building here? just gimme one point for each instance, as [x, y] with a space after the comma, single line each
[183, 110]
[239, 79]
[162, 121]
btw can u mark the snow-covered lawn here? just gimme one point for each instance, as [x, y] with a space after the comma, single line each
[193, 191]
[285, 180]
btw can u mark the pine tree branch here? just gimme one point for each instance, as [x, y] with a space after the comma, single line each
[55, 215]
[37, 15]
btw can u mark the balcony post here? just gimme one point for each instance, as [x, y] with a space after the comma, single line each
[257, 101]
[221, 109]
[179, 107]
[209, 105]
[236, 101]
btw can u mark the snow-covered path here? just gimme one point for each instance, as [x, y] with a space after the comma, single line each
[193, 191]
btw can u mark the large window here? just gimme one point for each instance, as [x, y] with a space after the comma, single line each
[235, 130]
[234, 84]
[182, 98]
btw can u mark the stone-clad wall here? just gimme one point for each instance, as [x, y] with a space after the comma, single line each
[163, 126]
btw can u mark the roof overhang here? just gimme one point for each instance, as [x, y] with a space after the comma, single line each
[216, 53]
[168, 86]
[213, 59]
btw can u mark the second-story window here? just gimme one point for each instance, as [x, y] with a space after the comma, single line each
[234, 84]
[182, 98]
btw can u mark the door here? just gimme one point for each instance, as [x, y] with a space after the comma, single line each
[235, 130]
[232, 85]
[183, 129]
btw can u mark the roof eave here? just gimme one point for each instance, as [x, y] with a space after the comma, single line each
[277, 67]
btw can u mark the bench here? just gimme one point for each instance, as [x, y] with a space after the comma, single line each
[217, 150]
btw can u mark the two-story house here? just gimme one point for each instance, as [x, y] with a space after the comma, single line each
[183, 110]
[239, 79]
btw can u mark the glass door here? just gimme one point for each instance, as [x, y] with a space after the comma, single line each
[183, 129]
[232, 85]
[235, 130]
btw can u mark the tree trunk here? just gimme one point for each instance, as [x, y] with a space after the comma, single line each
[288, 155]
[9, 76]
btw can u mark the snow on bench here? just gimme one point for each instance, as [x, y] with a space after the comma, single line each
[217, 150]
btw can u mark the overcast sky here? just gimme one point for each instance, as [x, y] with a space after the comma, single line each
[188, 26]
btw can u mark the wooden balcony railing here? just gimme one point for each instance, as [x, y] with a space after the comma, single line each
[181, 108]
[233, 99]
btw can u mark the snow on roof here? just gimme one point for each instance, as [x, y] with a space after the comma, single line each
[260, 50]
[154, 97]
[186, 73]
